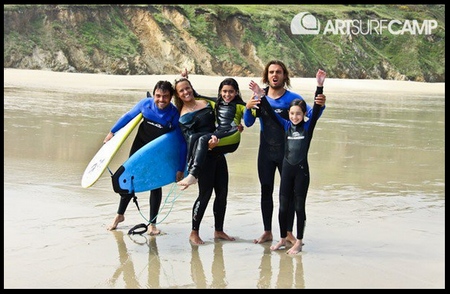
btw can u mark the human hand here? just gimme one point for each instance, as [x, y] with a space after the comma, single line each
[184, 73]
[240, 128]
[108, 137]
[320, 99]
[256, 89]
[213, 142]
[253, 102]
[320, 77]
[179, 176]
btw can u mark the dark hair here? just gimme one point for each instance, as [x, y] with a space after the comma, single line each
[265, 78]
[231, 82]
[298, 102]
[164, 86]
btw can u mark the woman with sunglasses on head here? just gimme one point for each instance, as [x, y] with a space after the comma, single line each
[198, 118]
[229, 109]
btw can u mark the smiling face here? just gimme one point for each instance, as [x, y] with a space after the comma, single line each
[296, 114]
[184, 91]
[228, 93]
[162, 98]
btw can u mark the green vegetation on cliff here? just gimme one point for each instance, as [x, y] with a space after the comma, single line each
[223, 40]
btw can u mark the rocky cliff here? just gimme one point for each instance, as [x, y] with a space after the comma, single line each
[214, 40]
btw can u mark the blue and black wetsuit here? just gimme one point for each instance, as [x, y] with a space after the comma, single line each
[213, 174]
[271, 150]
[295, 175]
[156, 122]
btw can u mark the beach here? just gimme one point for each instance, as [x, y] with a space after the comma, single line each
[368, 227]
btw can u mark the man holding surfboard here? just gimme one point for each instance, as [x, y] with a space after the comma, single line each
[271, 143]
[160, 116]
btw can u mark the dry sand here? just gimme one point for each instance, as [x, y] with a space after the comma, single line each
[102, 82]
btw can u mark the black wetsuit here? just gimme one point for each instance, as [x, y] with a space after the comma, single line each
[295, 175]
[271, 151]
[228, 117]
[213, 176]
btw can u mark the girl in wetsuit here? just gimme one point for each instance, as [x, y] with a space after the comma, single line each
[197, 118]
[229, 109]
[160, 116]
[271, 143]
[295, 175]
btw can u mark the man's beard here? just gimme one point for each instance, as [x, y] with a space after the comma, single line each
[278, 86]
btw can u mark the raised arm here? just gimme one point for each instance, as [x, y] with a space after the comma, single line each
[319, 98]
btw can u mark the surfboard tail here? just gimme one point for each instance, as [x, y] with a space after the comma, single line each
[115, 181]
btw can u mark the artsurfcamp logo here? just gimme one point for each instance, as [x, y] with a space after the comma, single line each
[305, 23]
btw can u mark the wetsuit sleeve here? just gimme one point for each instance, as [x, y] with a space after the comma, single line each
[249, 117]
[316, 112]
[240, 110]
[265, 105]
[127, 117]
[309, 109]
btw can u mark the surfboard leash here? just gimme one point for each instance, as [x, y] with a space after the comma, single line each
[172, 191]
[142, 227]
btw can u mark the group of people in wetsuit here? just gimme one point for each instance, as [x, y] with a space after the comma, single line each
[211, 127]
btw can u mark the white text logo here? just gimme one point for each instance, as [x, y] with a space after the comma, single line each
[305, 23]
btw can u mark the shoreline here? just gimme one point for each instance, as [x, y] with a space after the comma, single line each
[102, 82]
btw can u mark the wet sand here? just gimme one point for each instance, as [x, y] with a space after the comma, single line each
[62, 242]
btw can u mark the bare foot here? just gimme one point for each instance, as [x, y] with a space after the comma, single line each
[265, 237]
[153, 230]
[118, 219]
[281, 243]
[222, 235]
[296, 248]
[195, 238]
[290, 238]
[187, 181]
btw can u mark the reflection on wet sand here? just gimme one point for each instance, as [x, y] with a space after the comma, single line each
[154, 265]
[218, 272]
[265, 269]
[289, 273]
[218, 267]
[290, 270]
[126, 267]
[127, 270]
[197, 271]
